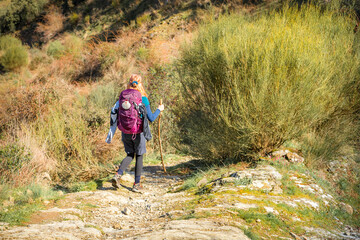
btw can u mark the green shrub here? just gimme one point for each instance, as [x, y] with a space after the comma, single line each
[73, 45]
[143, 19]
[162, 84]
[109, 53]
[250, 84]
[13, 158]
[87, 19]
[56, 49]
[19, 12]
[38, 58]
[142, 53]
[70, 45]
[8, 41]
[101, 100]
[116, 3]
[14, 57]
[74, 19]
[104, 96]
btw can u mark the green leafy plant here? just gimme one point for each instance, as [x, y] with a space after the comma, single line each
[38, 58]
[56, 49]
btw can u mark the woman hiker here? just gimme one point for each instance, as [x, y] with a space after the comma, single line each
[126, 116]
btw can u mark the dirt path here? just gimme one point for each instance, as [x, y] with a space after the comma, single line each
[122, 214]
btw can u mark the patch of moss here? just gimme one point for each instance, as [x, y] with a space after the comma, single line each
[18, 214]
[86, 206]
[251, 234]
[83, 186]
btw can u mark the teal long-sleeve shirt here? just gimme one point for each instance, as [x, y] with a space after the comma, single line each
[151, 116]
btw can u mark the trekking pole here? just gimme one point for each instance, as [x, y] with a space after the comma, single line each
[162, 159]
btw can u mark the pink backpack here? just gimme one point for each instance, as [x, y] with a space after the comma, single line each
[129, 119]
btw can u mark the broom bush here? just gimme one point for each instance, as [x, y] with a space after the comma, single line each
[13, 55]
[252, 83]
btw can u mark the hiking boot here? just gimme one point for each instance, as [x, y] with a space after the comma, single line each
[115, 181]
[137, 188]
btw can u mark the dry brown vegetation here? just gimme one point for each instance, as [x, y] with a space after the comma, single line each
[52, 24]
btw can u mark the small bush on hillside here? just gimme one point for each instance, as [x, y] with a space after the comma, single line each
[73, 45]
[14, 58]
[87, 20]
[252, 84]
[104, 96]
[13, 158]
[74, 19]
[142, 53]
[143, 19]
[56, 49]
[107, 54]
[8, 41]
[99, 104]
[38, 58]
[116, 3]
[14, 54]
[30, 104]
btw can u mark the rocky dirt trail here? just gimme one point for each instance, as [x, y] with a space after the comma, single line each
[122, 214]
[161, 212]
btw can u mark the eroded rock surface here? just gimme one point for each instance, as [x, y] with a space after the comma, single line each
[162, 214]
[122, 214]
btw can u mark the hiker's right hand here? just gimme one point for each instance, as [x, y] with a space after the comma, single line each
[161, 107]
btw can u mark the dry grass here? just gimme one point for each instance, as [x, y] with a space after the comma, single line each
[53, 23]
[40, 161]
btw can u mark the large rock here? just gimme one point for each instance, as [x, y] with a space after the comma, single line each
[280, 153]
[294, 158]
[290, 156]
[264, 177]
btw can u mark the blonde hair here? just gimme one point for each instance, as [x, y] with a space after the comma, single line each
[135, 83]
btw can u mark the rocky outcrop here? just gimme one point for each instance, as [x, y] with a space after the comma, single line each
[264, 177]
[289, 155]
